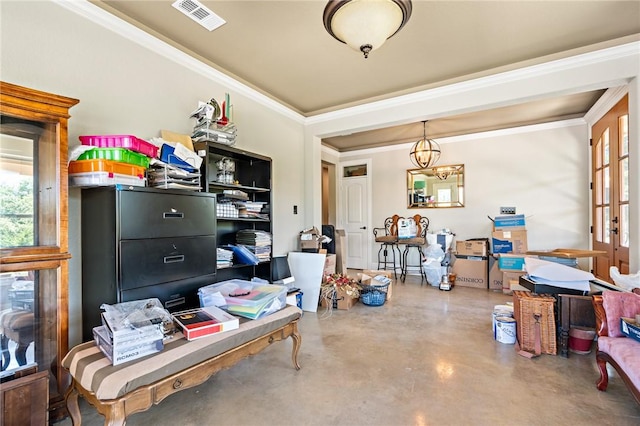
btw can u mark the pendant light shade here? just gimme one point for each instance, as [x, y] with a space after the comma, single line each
[426, 152]
[443, 173]
[365, 25]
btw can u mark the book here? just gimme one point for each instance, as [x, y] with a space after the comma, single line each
[201, 322]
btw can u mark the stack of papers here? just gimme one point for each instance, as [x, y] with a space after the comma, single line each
[167, 176]
[224, 258]
[258, 242]
[245, 298]
[557, 275]
[253, 209]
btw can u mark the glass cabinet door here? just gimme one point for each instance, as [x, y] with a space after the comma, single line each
[34, 240]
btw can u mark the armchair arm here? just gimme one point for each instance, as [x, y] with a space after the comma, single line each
[601, 316]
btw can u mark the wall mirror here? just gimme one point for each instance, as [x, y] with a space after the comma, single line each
[436, 187]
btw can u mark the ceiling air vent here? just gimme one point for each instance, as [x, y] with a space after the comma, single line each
[199, 13]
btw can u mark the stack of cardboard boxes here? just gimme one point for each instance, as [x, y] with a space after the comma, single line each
[509, 245]
[471, 263]
[310, 240]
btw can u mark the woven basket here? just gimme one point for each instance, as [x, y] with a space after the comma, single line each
[526, 306]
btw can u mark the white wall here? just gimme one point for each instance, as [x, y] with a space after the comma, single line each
[125, 88]
[543, 172]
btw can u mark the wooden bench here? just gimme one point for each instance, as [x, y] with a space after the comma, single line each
[118, 391]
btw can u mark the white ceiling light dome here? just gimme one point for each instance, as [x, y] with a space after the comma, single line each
[365, 25]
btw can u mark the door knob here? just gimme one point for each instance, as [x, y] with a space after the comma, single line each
[363, 227]
[615, 231]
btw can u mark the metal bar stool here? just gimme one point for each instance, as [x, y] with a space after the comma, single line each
[389, 245]
[416, 242]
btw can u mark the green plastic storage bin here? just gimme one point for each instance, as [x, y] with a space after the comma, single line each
[121, 155]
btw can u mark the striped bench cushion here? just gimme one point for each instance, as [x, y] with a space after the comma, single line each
[93, 371]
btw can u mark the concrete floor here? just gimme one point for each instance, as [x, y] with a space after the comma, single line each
[426, 357]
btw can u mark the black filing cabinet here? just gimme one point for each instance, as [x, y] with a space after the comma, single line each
[139, 243]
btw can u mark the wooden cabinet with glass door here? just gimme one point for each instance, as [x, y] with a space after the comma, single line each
[34, 239]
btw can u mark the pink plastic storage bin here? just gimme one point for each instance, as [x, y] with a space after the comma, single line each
[121, 141]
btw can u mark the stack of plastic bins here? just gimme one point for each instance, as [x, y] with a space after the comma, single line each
[115, 159]
[105, 172]
[121, 141]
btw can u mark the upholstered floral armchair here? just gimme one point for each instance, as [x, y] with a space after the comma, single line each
[623, 353]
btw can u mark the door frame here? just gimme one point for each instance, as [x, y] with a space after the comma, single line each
[369, 204]
[606, 102]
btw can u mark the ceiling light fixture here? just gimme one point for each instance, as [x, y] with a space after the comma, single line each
[365, 25]
[426, 152]
[443, 173]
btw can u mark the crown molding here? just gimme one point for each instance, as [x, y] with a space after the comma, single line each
[468, 137]
[605, 103]
[331, 151]
[126, 30]
[508, 77]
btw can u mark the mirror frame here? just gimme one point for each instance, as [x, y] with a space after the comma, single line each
[431, 176]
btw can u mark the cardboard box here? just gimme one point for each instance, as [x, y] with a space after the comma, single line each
[471, 271]
[495, 274]
[512, 222]
[119, 354]
[500, 280]
[508, 262]
[509, 241]
[630, 328]
[343, 301]
[329, 264]
[510, 282]
[471, 248]
[388, 274]
[205, 321]
[310, 239]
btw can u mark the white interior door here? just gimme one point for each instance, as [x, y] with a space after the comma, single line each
[355, 212]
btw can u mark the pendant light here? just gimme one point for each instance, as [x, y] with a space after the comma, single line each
[365, 25]
[443, 172]
[426, 152]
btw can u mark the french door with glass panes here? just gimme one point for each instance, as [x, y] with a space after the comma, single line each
[610, 180]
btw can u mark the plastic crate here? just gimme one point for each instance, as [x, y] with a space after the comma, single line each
[122, 155]
[88, 166]
[241, 292]
[104, 179]
[374, 295]
[121, 141]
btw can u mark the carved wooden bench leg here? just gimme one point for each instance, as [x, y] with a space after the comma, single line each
[297, 341]
[72, 404]
[115, 415]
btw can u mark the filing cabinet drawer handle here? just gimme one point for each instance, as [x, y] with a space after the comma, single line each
[174, 259]
[172, 215]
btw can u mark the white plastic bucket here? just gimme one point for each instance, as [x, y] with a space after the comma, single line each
[506, 330]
